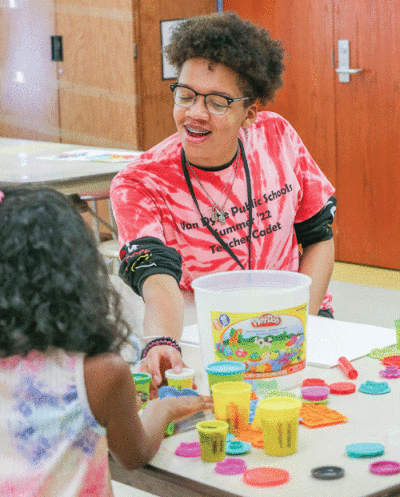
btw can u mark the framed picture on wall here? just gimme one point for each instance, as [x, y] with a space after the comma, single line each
[168, 71]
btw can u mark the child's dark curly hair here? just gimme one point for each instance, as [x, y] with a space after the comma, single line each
[225, 38]
[54, 286]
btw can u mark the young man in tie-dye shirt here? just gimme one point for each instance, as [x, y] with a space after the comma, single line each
[233, 189]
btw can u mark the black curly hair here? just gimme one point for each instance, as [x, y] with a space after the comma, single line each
[54, 286]
[225, 38]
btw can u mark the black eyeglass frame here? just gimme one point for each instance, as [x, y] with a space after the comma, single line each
[230, 100]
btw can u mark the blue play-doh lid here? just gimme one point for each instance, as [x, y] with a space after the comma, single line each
[226, 368]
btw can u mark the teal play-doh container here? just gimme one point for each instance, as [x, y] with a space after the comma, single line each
[221, 371]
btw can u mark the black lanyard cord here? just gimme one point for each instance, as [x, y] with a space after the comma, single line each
[205, 221]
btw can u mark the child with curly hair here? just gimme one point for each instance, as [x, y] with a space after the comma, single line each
[66, 396]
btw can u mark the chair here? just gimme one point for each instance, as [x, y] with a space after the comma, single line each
[87, 202]
[110, 250]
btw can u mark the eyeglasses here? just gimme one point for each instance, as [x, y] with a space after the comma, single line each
[216, 104]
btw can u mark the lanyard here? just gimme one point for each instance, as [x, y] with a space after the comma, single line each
[214, 232]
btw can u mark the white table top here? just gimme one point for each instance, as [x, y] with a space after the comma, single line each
[371, 419]
[21, 163]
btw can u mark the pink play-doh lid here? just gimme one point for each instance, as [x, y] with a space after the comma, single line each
[315, 393]
[385, 468]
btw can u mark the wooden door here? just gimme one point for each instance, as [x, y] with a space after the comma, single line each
[98, 92]
[368, 133]
[156, 121]
[28, 77]
[351, 129]
[307, 96]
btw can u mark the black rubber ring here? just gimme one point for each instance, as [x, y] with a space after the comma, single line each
[327, 472]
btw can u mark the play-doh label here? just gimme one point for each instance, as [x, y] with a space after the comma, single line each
[269, 343]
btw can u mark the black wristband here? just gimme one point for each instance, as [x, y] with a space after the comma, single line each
[318, 228]
[146, 256]
[160, 341]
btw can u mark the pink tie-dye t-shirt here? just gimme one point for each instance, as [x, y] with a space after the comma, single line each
[150, 198]
[50, 442]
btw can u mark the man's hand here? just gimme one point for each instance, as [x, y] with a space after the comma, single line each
[157, 361]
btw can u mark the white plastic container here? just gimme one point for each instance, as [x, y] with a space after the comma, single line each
[258, 317]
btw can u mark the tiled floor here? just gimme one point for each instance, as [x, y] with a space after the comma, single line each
[366, 275]
[365, 294]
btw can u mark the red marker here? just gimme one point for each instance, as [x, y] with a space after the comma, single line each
[347, 368]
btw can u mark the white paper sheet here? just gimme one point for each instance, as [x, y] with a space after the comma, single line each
[329, 339]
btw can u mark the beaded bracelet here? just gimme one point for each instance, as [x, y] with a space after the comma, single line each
[160, 341]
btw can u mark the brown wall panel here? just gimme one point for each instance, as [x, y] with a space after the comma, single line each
[98, 94]
[156, 121]
[261, 13]
[307, 98]
[98, 120]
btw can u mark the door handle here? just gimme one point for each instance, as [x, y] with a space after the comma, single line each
[344, 70]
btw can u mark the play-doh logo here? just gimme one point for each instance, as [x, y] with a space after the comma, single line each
[265, 320]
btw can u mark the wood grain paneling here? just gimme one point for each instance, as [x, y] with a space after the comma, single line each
[98, 94]
[97, 120]
[368, 134]
[156, 121]
[261, 13]
[307, 97]
[351, 129]
[28, 78]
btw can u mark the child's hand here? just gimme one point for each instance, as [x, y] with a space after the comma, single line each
[182, 407]
[177, 408]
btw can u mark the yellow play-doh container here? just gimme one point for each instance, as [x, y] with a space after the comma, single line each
[212, 436]
[279, 417]
[232, 404]
[181, 380]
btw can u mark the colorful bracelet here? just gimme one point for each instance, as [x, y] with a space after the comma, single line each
[160, 341]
